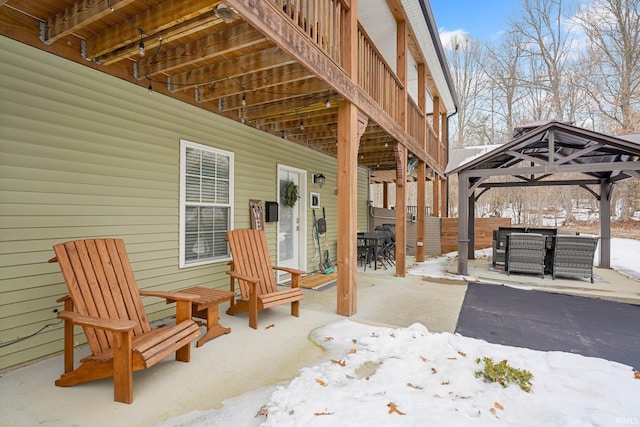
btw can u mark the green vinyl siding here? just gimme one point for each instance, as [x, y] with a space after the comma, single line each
[86, 155]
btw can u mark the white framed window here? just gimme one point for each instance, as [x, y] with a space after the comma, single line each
[206, 203]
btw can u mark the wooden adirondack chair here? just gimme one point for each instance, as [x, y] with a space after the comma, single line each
[104, 299]
[253, 269]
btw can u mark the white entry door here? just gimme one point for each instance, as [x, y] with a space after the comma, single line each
[292, 221]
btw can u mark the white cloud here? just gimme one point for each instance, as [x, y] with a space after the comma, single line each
[447, 37]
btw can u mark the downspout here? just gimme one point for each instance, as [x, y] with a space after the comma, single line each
[431, 26]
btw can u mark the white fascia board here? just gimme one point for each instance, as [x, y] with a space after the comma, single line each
[429, 50]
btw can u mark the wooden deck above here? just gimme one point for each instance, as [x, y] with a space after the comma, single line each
[276, 65]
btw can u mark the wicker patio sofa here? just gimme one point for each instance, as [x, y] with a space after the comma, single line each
[573, 255]
[526, 252]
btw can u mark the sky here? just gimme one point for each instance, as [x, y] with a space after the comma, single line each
[480, 19]
[381, 376]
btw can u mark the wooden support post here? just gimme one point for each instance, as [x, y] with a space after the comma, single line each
[442, 195]
[435, 203]
[436, 119]
[348, 142]
[420, 220]
[385, 195]
[401, 209]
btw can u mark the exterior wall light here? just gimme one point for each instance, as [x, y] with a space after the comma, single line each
[319, 179]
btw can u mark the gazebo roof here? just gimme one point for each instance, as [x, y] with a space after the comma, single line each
[536, 157]
[573, 149]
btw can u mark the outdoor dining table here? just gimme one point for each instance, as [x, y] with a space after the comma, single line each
[374, 241]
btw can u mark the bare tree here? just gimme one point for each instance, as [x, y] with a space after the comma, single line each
[613, 50]
[540, 26]
[465, 56]
[504, 71]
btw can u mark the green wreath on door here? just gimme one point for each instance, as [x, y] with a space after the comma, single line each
[290, 194]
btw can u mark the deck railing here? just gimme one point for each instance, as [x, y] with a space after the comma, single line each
[413, 210]
[320, 20]
[433, 145]
[414, 120]
[377, 78]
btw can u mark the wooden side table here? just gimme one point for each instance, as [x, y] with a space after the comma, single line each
[206, 307]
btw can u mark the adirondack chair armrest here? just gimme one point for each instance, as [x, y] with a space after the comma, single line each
[292, 271]
[183, 302]
[113, 325]
[253, 281]
[173, 296]
[64, 298]
[295, 275]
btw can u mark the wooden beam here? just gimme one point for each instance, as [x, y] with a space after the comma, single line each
[257, 61]
[290, 108]
[161, 17]
[251, 82]
[200, 23]
[303, 89]
[211, 46]
[77, 16]
[327, 121]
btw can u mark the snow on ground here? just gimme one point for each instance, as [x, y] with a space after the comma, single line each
[410, 377]
[378, 376]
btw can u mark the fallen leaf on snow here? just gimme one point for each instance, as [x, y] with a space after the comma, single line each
[319, 381]
[414, 386]
[327, 339]
[322, 413]
[353, 350]
[339, 362]
[394, 408]
[434, 371]
[499, 406]
[636, 375]
[462, 354]
[270, 326]
[262, 411]
[424, 359]
[446, 382]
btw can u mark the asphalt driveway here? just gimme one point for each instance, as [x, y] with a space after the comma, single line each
[552, 322]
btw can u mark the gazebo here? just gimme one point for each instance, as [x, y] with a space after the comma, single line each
[547, 154]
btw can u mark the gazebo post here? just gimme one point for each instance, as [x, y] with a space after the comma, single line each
[605, 224]
[471, 227]
[463, 222]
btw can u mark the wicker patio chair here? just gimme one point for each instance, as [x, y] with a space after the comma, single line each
[573, 255]
[525, 253]
[500, 243]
